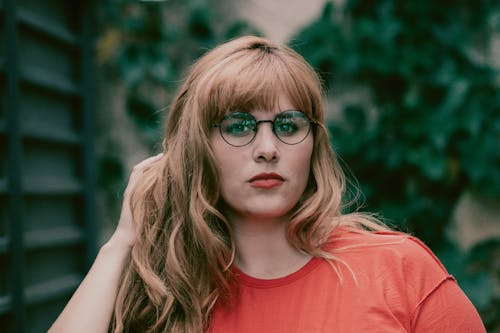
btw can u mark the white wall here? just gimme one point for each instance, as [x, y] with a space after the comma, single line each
[277, 19]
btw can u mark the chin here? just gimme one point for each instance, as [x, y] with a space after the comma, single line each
[262, 209]
[270, 213]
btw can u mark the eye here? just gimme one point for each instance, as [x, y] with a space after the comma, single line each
[286, 126]
[238, 126]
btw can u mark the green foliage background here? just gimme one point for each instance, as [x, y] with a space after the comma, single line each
[429, 132]
[436, 129]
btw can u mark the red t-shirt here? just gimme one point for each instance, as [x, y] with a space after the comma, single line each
[400, 286]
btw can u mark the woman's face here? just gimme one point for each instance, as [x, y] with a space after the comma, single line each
[266, 178]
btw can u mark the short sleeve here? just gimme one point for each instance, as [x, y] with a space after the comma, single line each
[408, 285]
[447, 309]
[442, 306]
[438, 304]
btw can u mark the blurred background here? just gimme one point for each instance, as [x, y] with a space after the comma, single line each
[412, 100]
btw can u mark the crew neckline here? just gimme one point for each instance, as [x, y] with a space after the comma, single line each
[254, 282]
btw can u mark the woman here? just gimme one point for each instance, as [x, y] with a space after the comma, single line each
[238, 227]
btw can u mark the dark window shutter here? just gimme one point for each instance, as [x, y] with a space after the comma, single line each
[47, 222]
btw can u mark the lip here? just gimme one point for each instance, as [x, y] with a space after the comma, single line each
[266, 180]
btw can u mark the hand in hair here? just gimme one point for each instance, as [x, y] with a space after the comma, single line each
[91, 307]
[125, 232]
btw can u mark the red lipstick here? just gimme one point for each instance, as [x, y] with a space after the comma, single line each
[266, 180]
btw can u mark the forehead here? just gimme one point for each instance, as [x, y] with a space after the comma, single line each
[281, 103]
[254, 83]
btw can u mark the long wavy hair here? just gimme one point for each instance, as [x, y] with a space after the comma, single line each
[179, 265]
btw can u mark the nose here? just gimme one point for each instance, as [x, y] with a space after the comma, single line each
[265, 144]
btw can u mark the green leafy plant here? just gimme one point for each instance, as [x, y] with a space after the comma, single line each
[146, 45]
[430, 127]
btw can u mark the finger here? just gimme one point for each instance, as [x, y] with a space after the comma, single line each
[148, 161]
[139, 169]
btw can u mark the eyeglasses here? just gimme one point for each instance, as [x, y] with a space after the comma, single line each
[240, 128]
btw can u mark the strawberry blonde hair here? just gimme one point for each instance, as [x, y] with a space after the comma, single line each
[179, 265]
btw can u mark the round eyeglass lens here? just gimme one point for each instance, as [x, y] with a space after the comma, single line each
[291, 127]
[238, 129]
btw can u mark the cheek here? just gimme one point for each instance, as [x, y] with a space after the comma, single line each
[227, 165]
[306, 170]
[227, 176]
[232, 190]
[300, 167]
[303, 160]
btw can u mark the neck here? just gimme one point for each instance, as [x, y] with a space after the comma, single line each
[262, 248]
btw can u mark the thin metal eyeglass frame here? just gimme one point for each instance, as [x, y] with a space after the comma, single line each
[257, 122]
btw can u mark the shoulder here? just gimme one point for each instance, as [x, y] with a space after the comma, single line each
[402, 275]
[389, 260]
[396, 247]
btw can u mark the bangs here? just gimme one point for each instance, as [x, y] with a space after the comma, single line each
[254, 79]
